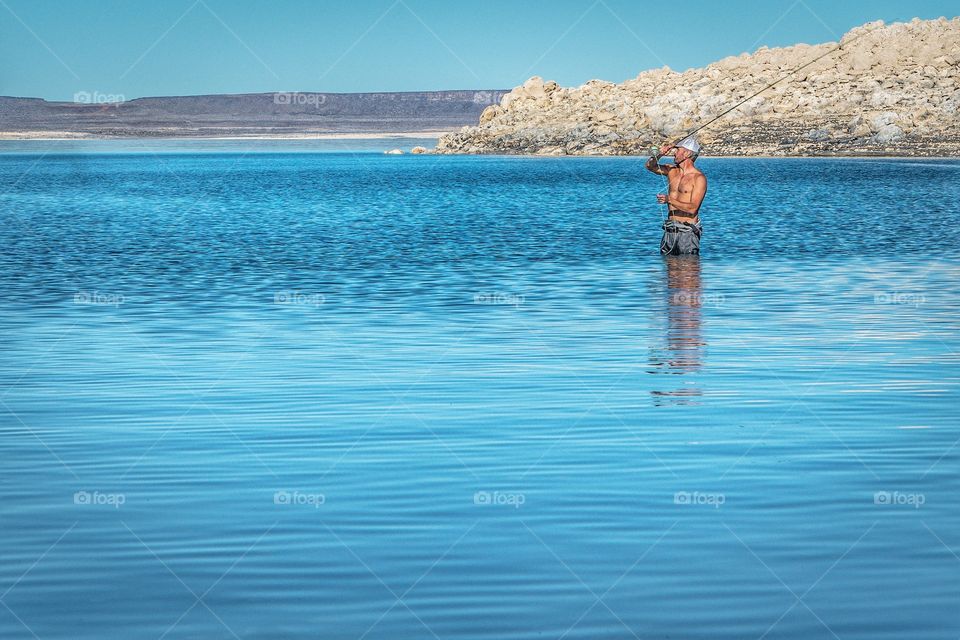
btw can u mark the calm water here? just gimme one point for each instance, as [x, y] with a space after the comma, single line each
[346, 395]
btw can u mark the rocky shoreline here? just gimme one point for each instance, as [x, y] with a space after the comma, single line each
[893, 91]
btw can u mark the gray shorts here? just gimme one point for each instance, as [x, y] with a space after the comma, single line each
[680, 238]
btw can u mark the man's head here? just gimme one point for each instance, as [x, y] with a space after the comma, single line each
[688, 149]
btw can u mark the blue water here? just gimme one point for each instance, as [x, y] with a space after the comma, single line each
[285, 394]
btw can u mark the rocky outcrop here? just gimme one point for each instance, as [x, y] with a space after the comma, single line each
[893, 90]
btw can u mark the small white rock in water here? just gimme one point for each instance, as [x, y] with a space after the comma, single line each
[418, 150]
[394, 152]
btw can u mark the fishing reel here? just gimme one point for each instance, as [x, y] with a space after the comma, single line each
[655, 154]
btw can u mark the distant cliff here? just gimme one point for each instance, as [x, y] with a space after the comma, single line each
[894, 90]
[282, 113]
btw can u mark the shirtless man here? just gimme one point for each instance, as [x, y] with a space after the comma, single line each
[688, 186]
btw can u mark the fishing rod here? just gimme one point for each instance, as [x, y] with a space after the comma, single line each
[656, 150]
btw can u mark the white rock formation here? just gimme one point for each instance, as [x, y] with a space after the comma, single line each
[897, 83]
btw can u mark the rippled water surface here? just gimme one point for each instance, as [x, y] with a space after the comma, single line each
[259, 392]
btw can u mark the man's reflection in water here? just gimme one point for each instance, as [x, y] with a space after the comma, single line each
[681, 352]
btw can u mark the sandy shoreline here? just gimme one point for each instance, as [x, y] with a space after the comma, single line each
[6, 136]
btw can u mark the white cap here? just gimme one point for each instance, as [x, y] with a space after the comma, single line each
[690, 144]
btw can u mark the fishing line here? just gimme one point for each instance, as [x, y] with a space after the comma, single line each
[665, 212]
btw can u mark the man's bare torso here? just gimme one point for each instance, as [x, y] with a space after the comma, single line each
[681, 187]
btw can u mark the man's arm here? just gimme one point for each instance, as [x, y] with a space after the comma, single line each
[659, 169]
[696, 196]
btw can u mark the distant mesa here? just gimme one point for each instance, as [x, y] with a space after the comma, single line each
[286, 113]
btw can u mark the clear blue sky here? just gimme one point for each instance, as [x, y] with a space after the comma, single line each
[56, 48]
